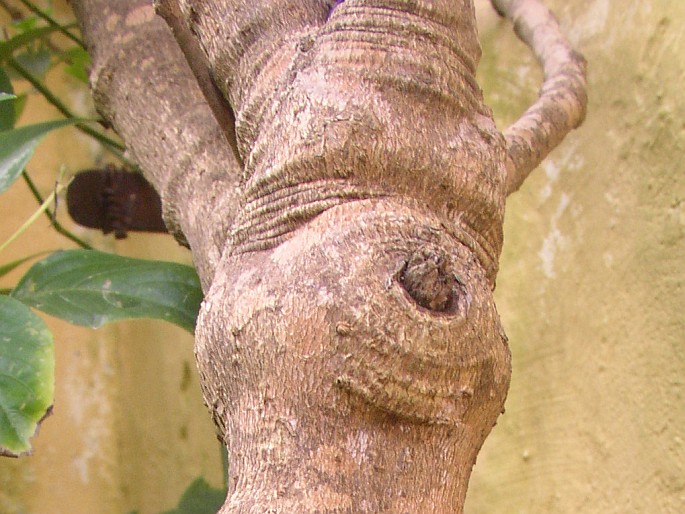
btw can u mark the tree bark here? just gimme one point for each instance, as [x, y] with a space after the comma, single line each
[349, 346]
[143, 86]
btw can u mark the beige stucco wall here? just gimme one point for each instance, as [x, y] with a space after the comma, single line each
[591, 288]
[590, 292]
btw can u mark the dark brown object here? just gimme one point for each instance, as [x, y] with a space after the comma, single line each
[114, 200]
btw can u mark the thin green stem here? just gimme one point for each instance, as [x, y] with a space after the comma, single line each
[55, 224]
[44, 207]
[111, 145]
[51, 21]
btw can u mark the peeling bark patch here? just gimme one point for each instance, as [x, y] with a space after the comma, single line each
[343, 329]
[193, 20]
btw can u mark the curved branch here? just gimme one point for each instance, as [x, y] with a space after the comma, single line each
[562, 101]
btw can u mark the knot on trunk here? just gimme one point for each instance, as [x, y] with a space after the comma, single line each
[429, 279]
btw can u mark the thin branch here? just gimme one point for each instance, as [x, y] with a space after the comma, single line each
[199, 65]
[562, 101]
[110, 144]
[51, 21]
[55, 224]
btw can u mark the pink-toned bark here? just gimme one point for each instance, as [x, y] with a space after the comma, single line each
[143, 86]
[563, 96]
[350, 350]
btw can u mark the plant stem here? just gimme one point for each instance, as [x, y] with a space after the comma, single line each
[109, 144]
[51, 21]
[44, 207]
[55, 224]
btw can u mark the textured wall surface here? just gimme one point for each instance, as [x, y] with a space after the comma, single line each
[591, 287]
[590, 291]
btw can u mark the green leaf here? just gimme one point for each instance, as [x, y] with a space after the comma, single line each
[17, 147]
[7, 110]
[30, 22]
[37, 62]
[78, 61]
[27, 381]
[199, 498]
[19, 105]
[91, 288]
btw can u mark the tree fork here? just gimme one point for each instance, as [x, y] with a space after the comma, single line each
[349, 346]
[142, 84]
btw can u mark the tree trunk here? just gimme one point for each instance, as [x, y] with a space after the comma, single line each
[347, 237]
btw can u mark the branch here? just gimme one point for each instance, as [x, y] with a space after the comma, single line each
[111, 145]
[53, 219]
[563, 97]
[144, 87]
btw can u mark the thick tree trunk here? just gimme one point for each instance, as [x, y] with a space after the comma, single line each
[349, 346]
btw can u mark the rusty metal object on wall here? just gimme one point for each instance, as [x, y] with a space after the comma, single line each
[114, 200]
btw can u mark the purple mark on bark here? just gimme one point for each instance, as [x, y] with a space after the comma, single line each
[336, 4]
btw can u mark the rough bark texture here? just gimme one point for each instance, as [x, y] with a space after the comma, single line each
[349, 346]
[143, 85]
